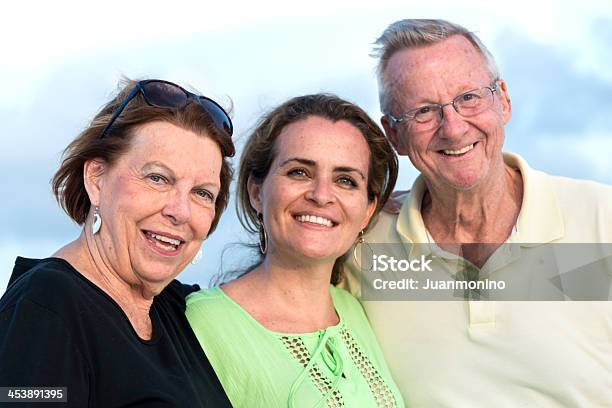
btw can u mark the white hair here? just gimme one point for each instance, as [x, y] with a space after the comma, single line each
[412, 33]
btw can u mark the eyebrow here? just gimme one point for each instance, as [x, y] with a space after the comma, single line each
[158, 164]
[308, 162]
[428, 102]
[150, 165]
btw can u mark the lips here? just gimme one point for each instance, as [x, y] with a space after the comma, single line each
[315, 219]
[166, 244]
[458, 152]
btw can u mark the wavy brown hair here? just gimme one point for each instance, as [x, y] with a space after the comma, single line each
[260, 149]
[68, 184]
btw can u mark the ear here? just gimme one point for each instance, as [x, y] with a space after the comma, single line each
[505, 101]
[92, 178]
[369, 212]
[392, 135]
[254, 194]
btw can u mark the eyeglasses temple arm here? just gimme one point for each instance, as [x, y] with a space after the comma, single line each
[119, 109]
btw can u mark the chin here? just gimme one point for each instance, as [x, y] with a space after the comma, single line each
[159, 274]
[465, 182]
[318, 253]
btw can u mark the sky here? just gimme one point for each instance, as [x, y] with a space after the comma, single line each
[62, 61]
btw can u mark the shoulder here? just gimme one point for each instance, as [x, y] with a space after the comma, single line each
[204, 297]
[382, 223]
[346, 304]
[567, 189]
[175, 293]
[229, 339]
[384, 226]
[38, 314]
[583, 197]
[581, 190]
[583, 206]
[49, 283]
[342, 297]
[207, 309]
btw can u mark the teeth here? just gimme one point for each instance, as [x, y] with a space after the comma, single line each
[158, 237]
[165, 247]
[314, 220]
[460, 151]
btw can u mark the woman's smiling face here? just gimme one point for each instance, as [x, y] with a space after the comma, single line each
[157, 203]
[314, 198]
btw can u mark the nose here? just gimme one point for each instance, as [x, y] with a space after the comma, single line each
[176, 208]
[453, 125]
[321, 192]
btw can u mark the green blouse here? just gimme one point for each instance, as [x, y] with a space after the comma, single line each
[341, 366]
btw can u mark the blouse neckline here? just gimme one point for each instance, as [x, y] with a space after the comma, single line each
[331, 330]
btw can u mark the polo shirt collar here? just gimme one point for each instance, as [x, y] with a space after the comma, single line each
[540, 219]
[410, 225]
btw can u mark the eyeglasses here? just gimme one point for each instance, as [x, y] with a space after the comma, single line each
[164, 94]
[467, 104]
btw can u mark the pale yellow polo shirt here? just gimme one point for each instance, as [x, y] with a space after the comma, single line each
[510, 353]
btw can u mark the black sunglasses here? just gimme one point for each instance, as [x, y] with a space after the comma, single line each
[164, 94]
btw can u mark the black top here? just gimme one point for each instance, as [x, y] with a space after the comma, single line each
[58, 329]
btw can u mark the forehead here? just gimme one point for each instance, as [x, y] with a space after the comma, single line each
[325, 142]
[454, 64]
[183, 151]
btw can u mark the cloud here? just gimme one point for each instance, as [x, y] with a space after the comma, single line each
[561, 119]
[550, 92]
[561, 104]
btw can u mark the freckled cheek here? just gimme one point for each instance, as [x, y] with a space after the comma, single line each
[126, 188]
[273, 197]
[418, 143]
[420, 155]
[494, 137]
[204, 227]
[129, 202]
[356, 207]
[202, 219]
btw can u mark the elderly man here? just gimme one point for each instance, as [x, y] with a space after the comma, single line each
[445, 106]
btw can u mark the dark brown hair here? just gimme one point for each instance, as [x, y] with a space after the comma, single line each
[68, 184]
[259, 152]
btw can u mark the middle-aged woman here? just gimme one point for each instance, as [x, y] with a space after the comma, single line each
[312, 175]
[102, 320]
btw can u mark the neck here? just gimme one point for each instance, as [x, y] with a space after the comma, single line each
[486, 213]
[287, 295]
[305, 281]
[134, 300]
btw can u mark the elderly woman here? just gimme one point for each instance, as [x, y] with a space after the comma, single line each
[312, 176]
[103, 317]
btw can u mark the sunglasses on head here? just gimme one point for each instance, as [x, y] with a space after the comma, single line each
[164, 94]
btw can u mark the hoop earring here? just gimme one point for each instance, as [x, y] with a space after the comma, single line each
[263, 236]
[97, 220]
[361, 241]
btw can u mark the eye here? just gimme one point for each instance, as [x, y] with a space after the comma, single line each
[469, 99]
[423, 110]
[157, 179]
[297, 173]
[205, 195]
[347, 181]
